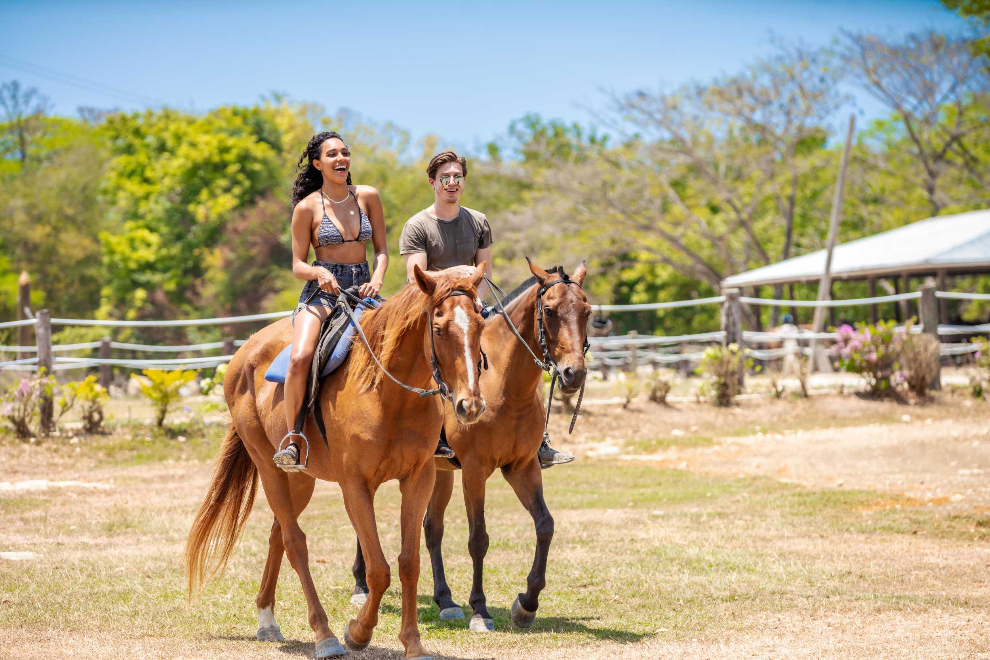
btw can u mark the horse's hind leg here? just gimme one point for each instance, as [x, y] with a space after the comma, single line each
[527, 482]
[268, 631]
[279, 495]
[474, 498]
[443, 486]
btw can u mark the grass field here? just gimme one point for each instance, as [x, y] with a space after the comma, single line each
[647, 561]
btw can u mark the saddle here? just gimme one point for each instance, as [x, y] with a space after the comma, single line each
[332, 348]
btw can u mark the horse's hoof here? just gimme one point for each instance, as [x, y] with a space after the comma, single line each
[359, 599]
[451, 613]
[522, 617]
[270, 634]
[480, 624]
[329, 648]
[351, 644]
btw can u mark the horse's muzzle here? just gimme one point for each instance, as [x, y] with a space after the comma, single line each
[571, 378]
[469, 409]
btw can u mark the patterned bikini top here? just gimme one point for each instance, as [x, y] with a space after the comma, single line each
[328, 234]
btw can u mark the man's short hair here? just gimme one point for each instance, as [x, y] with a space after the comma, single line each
[445, 157]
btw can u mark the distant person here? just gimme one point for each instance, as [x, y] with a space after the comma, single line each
[338, 219]
[792, 365]
[447, 234]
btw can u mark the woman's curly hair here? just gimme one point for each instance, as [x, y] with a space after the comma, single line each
[310, 178]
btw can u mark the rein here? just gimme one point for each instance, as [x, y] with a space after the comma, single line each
[442, 388]
[546, 364]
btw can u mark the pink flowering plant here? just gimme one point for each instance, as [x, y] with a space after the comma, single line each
[872, 352]
[21, 402]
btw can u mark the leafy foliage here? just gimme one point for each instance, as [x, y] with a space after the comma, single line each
[721, 367]
[919, 358]
[21, 402]
[91, 396]
[163, 389]
[872, 351]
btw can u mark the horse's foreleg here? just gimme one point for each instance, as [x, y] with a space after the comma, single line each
[527, 482]
[473, 481]
[416, 489]
[443, 486]
[268, 630]
[279, 494]
[359, 500]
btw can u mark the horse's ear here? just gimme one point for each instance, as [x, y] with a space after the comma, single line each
[426, 284]
[579, 274]
[478, 274]
[541, 275]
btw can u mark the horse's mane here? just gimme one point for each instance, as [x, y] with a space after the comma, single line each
[522, 288]
[384, 327]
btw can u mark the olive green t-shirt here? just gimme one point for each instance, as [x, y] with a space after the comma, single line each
[447, 243]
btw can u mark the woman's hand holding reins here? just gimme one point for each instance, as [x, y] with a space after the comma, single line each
[327, 281]
[370, 289]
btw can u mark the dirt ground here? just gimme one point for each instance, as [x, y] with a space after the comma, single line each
[936, 451]
[835, 527]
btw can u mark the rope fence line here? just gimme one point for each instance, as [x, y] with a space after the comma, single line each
[953, 295]
[638, 307]
[851, 302]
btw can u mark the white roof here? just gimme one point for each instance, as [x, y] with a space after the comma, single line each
[951, 242]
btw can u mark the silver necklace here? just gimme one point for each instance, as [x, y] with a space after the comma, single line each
[334, 201]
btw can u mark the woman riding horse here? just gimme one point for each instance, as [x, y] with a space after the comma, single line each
[338, 219]
[382, 429]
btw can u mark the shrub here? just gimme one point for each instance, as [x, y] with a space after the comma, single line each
[214, 384]
[163, 390]
[660, 383]
[872, 352]
[720, 365]
[22, 402]
[631, 387]
[91, 395]
[919, 357]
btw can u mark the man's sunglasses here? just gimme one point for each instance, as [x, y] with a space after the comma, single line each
[447, 179]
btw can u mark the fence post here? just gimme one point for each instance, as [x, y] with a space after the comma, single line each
[929, 311]
[23, 304]
[633, 353]
[105, 370]
[228, 346]
[43, 338]
[732, 324]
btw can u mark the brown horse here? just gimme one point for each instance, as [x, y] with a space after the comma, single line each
[507, 436]
[377, 431]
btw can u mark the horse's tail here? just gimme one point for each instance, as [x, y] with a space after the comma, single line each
[223, 514]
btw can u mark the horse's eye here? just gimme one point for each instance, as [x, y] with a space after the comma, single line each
[549, 311]
[438, 331]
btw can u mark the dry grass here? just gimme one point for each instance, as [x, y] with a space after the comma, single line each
[647, 562]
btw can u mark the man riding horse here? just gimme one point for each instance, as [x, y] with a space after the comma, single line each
[447, 234]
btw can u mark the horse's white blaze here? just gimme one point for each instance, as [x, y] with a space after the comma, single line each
[462, 321]
[266, 618]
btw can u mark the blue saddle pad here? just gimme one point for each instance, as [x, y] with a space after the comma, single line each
[280, 365]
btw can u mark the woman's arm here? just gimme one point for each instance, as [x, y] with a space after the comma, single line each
[302, 231]
[380, 262]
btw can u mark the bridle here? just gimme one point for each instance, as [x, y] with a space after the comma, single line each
[442, 388]
[546, 364]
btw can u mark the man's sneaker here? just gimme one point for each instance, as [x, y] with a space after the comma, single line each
[443, 449]
[549, 456]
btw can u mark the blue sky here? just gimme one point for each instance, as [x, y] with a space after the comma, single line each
[460, 70]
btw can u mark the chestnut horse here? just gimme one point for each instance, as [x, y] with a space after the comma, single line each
[377, 431]
[508, 435]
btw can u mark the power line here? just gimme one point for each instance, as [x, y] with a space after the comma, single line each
[79, 83]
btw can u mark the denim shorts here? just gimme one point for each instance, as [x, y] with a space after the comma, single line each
[347, 275]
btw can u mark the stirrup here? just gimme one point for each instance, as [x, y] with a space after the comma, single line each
[443, 450]
[286, 458]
